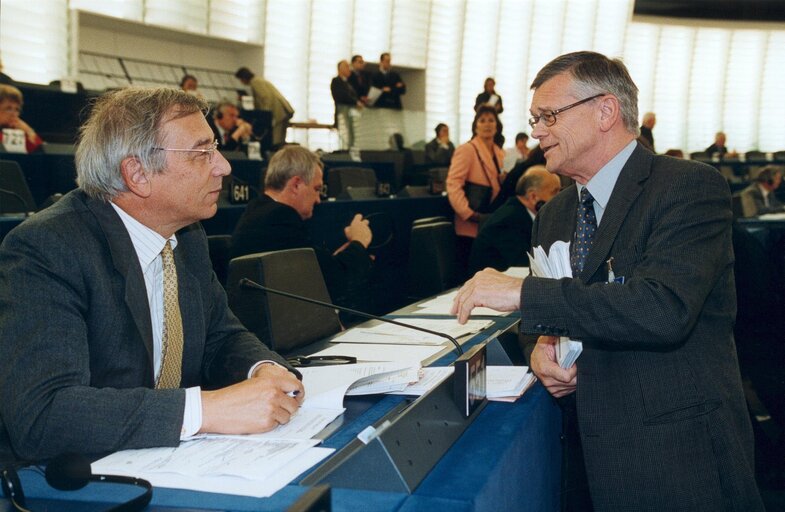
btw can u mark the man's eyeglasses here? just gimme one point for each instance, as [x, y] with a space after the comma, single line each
[208, 152]
[549, 116]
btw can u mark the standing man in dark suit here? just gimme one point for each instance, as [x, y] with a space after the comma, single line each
[231, 132]
[276, 220]
[504, 239]
[360, 79]
[656, 396]
[114, 331]
[346, 103]
[390, 83]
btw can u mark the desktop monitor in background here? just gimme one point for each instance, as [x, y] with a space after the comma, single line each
[262, 123]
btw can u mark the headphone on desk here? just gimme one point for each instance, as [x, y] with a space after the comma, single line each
[69, 472]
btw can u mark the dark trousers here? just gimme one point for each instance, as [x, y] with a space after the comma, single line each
[575, 495]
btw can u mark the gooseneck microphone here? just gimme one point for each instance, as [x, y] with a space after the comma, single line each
[247, 283]
[69, 472]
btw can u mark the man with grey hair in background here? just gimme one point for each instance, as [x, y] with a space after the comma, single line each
[655, 416]
[114, 331]
[276, 221]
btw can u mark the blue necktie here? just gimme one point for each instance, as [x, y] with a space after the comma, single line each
[585, 227]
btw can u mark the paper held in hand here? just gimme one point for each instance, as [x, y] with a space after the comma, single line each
[556, 265]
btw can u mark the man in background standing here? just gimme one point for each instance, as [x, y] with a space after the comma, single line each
[346, 103]
[390, 83]
[647, 138]
[267, 97]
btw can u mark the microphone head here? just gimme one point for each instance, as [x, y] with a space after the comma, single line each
[68, 472]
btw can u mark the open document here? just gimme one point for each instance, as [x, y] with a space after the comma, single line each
[556, 265]
[259, 465]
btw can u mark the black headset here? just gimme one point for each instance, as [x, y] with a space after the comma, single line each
[69, 472]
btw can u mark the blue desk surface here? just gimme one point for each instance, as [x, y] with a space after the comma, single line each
[507, 459]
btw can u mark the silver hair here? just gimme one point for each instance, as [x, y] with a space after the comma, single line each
[127, 123]
[594, 73]
[288, 162]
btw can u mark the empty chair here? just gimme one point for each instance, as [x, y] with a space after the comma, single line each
[413, 191]
[15, 196]
[220, 254]
[432, 266]
[437, 179]
[338, 179]
[430, 220]
[282, 323]
[358, 193]
[701, 156]
[755, 157]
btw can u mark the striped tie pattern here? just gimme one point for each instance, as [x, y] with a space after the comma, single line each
[171, 367]
[585, 227]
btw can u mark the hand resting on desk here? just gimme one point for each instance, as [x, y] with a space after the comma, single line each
[558, 381]
[252, 406]
[488, 288]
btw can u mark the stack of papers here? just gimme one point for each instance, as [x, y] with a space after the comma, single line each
[442, 305]
[556, 265]
[261, 464]
[507, 383]
[503, 383]
[391, 334]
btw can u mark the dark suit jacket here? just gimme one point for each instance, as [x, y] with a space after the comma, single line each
[267, 225]
[435, 153]
[752, 202]
[484, 97]
[390, 99]
[662, 416]
[76, 363]
[361, 82]
[504, 239]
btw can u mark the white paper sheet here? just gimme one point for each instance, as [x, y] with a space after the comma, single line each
[412, 354]
[394, 334]
[122, 463]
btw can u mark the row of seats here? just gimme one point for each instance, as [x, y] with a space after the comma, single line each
[362, 183]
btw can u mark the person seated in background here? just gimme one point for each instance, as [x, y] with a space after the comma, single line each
[190, 84]
[488, 97]
[231, 132]
[647, 137]
[504, 240]
[11, 102]
[518, 154]
[276, 220]
[759, 197]
[439, 151]
[118, 272]
[718, 146]
[390, 83]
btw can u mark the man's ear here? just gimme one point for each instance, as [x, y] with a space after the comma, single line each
[294, 183]
[610, 112]
[135, 177]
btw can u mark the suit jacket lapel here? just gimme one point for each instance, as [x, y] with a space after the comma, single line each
[627, 188]
[127, 264]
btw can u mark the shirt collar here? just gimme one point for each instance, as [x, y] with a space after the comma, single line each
[147, 243]
[601, 184]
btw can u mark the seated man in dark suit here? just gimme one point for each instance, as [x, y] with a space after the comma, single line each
[760, 198]
[276, 221]
[504, 238]
[231, 132]
[114, 331]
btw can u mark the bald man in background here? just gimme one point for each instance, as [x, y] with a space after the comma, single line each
[505, 238]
